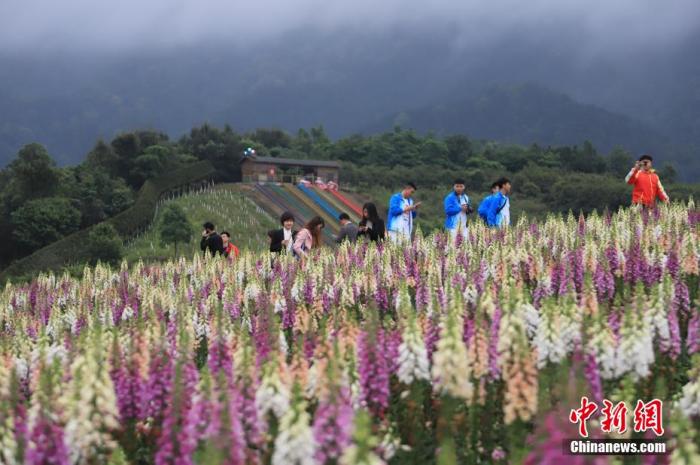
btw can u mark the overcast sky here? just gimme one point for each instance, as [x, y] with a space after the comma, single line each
[119, 25]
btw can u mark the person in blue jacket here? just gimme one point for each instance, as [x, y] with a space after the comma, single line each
[484, 205]
[457, 206]
[402, 213]
[498, 215]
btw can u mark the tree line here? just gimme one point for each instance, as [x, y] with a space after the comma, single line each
[41, 202]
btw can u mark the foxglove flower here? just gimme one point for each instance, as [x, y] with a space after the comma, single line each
[295, 443]
[413, 356]
[332, 426]
[451, 370]
[373, 368]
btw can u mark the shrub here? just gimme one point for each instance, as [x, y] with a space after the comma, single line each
[174, 227]
[44, 221]
[104, 244]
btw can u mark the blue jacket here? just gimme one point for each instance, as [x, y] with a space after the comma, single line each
[453, 208]
[396, 210]
[484, 206]
[493, 214]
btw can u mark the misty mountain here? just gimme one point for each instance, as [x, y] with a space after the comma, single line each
[527, 114]
[351, 80]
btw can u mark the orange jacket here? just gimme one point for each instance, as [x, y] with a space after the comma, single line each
[647, 187]
[231, 251]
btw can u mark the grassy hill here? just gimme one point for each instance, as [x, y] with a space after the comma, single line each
[226, 206]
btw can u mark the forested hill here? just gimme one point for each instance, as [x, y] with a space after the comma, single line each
[41, 203]
[522, 114]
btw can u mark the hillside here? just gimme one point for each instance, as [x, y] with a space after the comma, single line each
[527, 114]
[226, 206]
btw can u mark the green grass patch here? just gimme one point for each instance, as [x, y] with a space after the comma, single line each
[224, 205]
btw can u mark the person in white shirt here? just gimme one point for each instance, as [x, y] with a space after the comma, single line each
[457, 206]
[498, 215]
[402, 213]
[282, 240]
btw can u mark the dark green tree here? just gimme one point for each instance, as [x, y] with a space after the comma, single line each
[459, 148]
[103, 157]
[619, 162]
[223, 148]
[175, 227]
[33, 174]
[42, 221]
[668, 174]
[153, 161]
[104, 245]
[129, 146]
[271, 138]
[302, 142]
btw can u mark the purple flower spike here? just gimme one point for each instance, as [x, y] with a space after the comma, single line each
[374, 371]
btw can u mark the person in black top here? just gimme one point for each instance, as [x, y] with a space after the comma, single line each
[371, 226]
[281, 240]
[211, 241]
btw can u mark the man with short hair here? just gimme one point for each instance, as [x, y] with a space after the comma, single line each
[647, 185]
[402, 212]
[498, 214]
[457, 206]
[211, 241]
[282, 240]
[348, 229]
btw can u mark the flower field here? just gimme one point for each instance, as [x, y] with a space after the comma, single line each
[432, 354]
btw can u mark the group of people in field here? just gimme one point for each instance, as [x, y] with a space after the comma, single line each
[494, 211]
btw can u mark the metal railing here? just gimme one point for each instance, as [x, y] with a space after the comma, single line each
[281, 178]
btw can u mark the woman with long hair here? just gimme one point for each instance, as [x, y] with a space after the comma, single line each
[371, 226]
[309, 237]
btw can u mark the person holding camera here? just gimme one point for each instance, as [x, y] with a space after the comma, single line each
[647, 185]
[402, 213]
[457, 207]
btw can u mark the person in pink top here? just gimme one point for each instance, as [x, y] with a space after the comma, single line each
[309, 237]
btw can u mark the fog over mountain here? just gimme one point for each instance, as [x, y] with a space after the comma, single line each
[76, 70]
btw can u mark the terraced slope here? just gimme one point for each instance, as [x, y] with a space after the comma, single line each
[228, 206]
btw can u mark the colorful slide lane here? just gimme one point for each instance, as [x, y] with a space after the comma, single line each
[331, 222]
[337, 204]
[276, 203]
[306, 209]
[305, 203]
[282, 201]
[332, 212]
[347, 202]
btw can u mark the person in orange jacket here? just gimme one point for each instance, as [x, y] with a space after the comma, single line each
[647, 186]
[230, 250]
